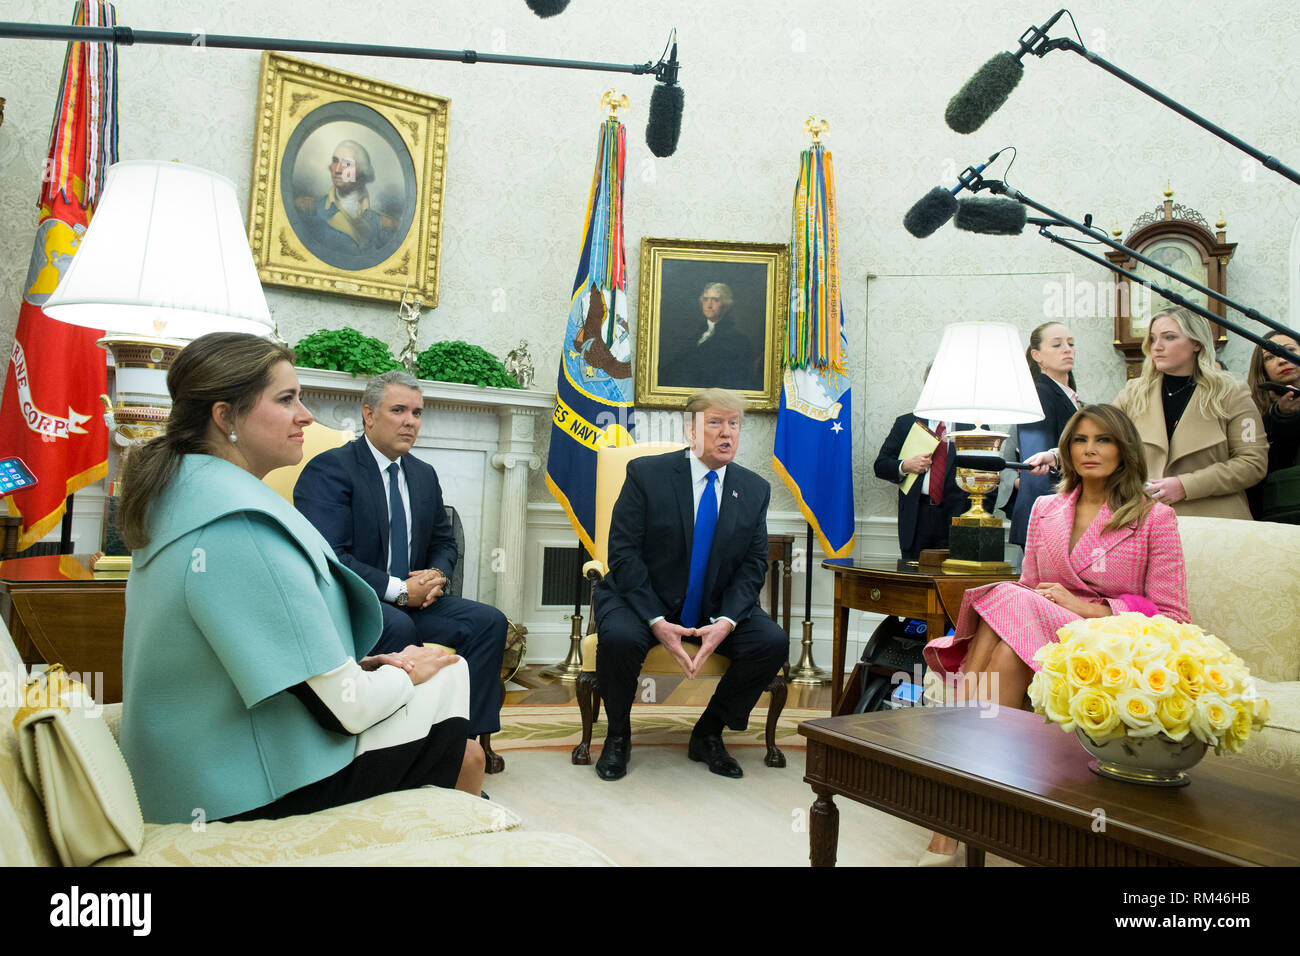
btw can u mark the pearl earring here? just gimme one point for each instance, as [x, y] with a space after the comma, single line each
[232, 437]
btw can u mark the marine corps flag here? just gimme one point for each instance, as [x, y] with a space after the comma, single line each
[50, 415]
[593, 394]
[813, 449]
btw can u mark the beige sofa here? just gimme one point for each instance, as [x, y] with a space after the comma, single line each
[426, 827]
[1243, 585]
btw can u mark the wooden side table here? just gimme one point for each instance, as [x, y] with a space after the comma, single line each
[58, 613]
[780, 552]
[884, 588]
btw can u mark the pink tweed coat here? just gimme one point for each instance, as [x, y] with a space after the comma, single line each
[1129, 569]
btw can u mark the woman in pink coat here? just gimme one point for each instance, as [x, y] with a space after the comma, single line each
[1097, 547]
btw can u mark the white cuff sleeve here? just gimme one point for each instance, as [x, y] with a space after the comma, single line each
[394, 589]
[360, 698]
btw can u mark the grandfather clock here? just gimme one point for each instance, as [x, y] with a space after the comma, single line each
[1180, 238]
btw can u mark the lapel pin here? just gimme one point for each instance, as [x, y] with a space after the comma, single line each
[735, 494]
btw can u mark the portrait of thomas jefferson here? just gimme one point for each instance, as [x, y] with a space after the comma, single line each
[351, 191]
[714, 342]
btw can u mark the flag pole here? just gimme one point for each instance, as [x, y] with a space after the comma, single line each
[807, 671]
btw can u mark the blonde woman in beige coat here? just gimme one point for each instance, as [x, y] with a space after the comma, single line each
[1201, 462]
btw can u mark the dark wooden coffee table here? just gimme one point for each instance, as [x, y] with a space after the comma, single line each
[1021, 788]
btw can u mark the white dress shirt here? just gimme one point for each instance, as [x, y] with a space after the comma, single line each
[700, 481]
[382, 462]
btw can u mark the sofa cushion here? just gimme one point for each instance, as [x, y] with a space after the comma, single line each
[24, 839]
[391, 822]
[1242, 586]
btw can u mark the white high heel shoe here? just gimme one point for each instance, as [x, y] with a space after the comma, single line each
[930, 858]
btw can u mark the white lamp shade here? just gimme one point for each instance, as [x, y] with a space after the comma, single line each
[166, 245]
[980, 375]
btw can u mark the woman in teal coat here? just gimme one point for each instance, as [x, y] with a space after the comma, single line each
[247, 692]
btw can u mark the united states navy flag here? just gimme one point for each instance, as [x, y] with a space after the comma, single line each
[593, 393]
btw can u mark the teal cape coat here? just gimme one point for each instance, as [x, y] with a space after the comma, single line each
[235, 598]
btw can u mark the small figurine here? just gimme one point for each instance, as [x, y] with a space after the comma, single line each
[410, 315]
[520, 364]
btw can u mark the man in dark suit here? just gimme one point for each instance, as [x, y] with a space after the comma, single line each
[687, 557]
[363, 498]
[925, 513]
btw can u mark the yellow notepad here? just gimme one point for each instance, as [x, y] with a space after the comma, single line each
[920, 441]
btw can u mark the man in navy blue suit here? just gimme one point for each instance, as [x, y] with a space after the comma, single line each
[382, 512]
[687, 558]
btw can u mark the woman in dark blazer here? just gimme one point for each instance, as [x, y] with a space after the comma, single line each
[1051, 361]
[1281, 411]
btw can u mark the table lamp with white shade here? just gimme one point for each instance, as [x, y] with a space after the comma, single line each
[164, 260]
[979, 375]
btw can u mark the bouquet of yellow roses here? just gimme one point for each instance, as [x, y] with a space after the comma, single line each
[1130, 675]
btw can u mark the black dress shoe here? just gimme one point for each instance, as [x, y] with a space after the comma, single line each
[709, 750]
[612, 764]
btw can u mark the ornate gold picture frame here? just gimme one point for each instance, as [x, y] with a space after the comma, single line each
[689, 336]
[347, 185]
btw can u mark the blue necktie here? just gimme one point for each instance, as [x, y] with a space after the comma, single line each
[706, 519]
[400, 566]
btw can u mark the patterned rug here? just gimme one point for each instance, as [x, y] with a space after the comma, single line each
[525, 727]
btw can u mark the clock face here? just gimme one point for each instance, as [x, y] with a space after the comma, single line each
[1180, 256]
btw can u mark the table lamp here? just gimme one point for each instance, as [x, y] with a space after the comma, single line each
[979, 375]
[164, 260]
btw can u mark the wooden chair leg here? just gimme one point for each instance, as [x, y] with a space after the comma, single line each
[588, 702]
[778, 691]
[495, 762]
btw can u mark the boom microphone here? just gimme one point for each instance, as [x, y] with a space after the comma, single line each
[938, 205]
[664, 125]
[989, 463]
[990, 216]
[986, 91]
[547, 8]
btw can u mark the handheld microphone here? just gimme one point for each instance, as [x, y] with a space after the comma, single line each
[664, 125]
[938, 205]
[989, 463]
[991, 216]
[986, 91]
[547, 8]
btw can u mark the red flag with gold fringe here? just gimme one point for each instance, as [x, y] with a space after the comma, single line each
[50, 414]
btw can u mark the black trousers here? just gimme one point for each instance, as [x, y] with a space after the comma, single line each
[478, 634]
[434, 761]
[756, 648]
[932, 524]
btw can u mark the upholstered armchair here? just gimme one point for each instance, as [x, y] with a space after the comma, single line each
[611, 469]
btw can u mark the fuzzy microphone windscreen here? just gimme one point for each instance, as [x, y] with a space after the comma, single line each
[547, 8]
[930, 212]
[984, 93]
[664, 125]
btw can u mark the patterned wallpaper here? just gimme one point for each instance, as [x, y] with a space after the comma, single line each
[522, 145]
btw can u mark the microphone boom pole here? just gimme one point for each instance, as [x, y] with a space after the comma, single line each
[1000, 188]
[1039, 45]
[126, 36]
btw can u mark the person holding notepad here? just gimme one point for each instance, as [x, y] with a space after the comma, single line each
[917, 457]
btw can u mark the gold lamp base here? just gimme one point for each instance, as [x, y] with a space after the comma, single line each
[807, 672]
[571, 666]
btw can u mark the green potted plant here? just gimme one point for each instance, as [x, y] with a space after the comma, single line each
[345, 350]
[457, 361]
